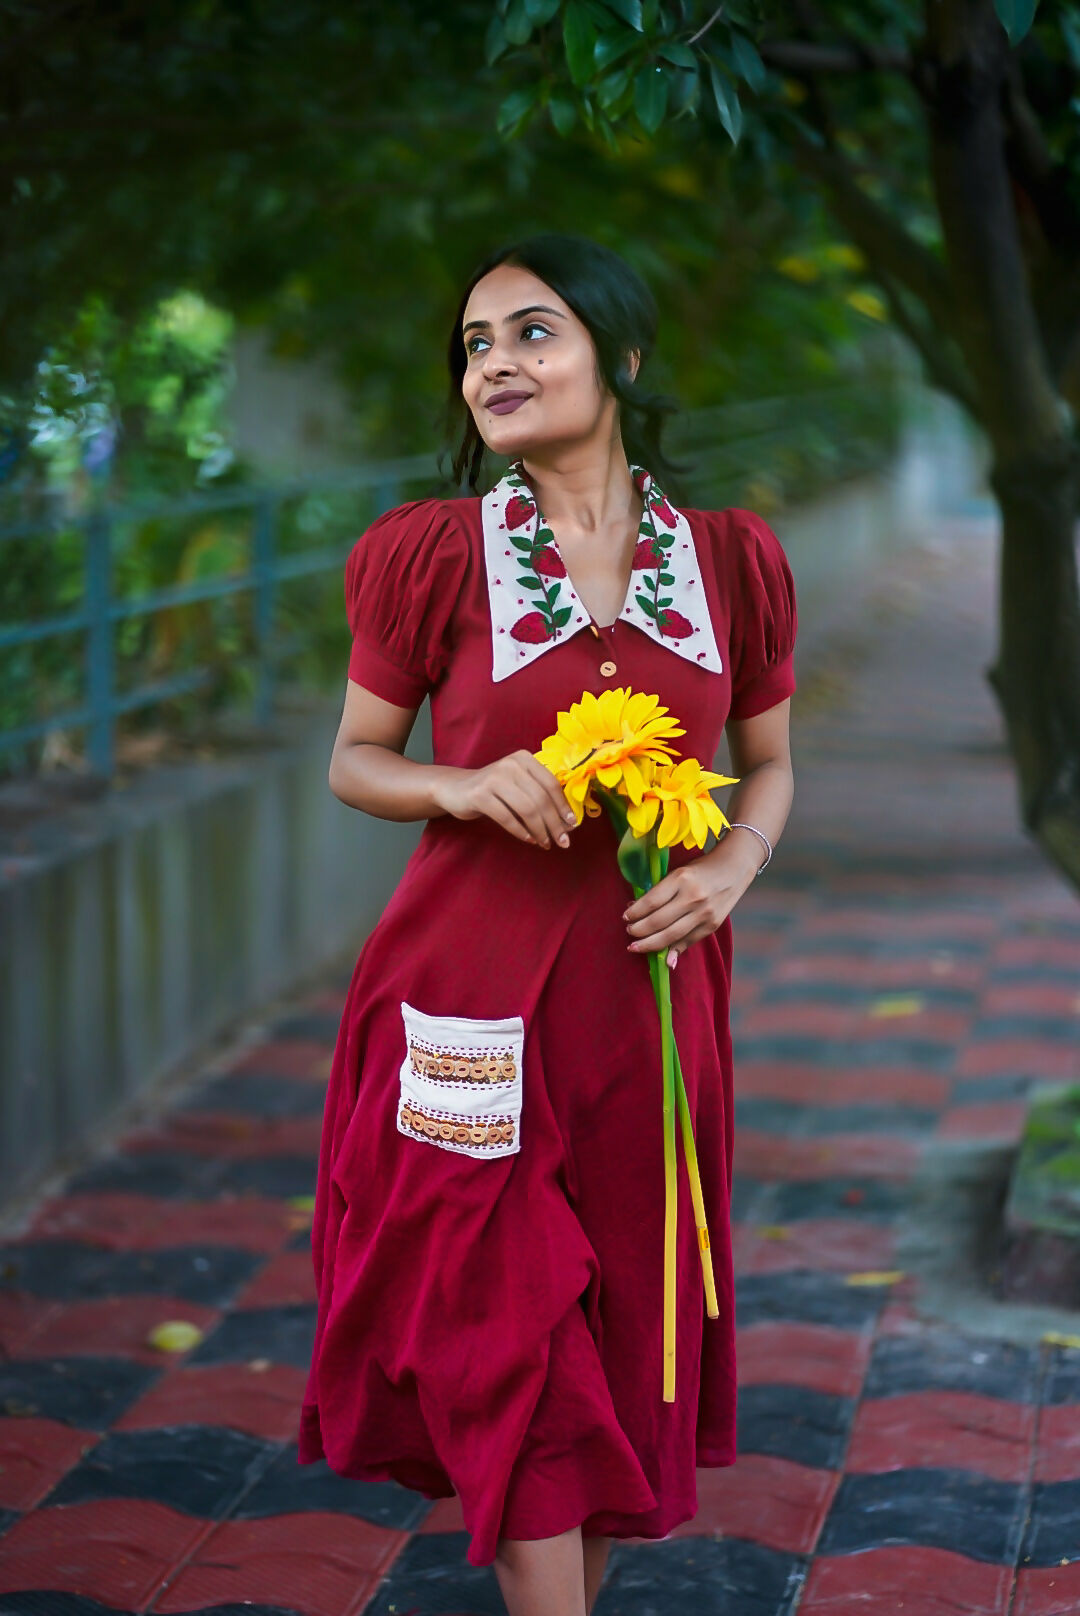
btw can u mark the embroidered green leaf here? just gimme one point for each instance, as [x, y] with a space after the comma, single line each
[666, 539]
[532, 582]
[646, 605]
[562, 616]
[667, 577]
[521, 544]
[666, 600]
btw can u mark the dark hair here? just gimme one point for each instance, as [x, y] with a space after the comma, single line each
[618, 309]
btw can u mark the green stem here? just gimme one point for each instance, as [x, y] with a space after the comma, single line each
[663, 980]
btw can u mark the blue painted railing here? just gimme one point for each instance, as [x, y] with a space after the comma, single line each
[836, 429]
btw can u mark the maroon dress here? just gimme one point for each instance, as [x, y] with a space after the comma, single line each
[488, 1236]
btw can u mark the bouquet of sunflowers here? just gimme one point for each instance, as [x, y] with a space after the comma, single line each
[613, 751]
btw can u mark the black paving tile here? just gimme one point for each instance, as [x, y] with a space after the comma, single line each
[8, 1517]
[1053, 1529]
[319, 1025]
[51, 1602]
[847, 1052]
[1001, 1086]
[939, 1360]
[270, 1175]
[1062, 1382]
[285, 1335]
[286, 1486]
[794, 1422]
[88, 1391]
[934, 1508]
[827, 991]
[71, 1271]
[871, 1200]
[259, 1095]
[1044, 1028]
[168, 1174]
[198, 1469]
[892, 947]
[809, 1298]
[728, 1577]
[300, 1241]
[1058, 976]
[431, 1577]
[745, 1193]
[815, 1121]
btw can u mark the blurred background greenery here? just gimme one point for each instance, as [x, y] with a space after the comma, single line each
[235, 235]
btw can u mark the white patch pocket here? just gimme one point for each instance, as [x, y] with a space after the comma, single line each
[461, 1082]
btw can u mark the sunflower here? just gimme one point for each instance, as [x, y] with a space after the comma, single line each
[606, 739]
[679, 794]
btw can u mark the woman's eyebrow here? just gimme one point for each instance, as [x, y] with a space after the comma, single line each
[533, 308]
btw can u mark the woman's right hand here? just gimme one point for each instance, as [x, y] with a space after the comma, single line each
[515, 791]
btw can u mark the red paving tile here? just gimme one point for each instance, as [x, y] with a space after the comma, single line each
[114, 1550]
[844, 1021]
[1001, 1119]
[929, 1429]
[1057, 1452]
[20, 1315]
[1041, 1058]
[288, 1277]
[34, 1454]
[263, 1400]
[1056, 953]
[777, 1156]
[934, 923]
[303, 1058]
[879, 974]
[814, 1355]
[906, 1582]
[124, 1222]
[315, 1563]
[1033, 999]
[832, 1245]
[236, 1137]
[116, 1325]
[1048, 1590]
[443, 1516]
[802, 1083]
[769, 1501]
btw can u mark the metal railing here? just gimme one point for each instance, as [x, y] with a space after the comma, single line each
[758, 426]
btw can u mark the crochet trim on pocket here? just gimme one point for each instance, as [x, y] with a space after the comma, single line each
[461, 1082]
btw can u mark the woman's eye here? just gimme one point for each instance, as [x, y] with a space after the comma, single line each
[532, 325]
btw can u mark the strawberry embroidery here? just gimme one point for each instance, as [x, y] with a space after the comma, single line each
[532, 629]
[674, 625]
[534, 604]
[519, 510]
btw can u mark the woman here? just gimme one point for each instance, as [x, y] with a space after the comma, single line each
[488, 1231]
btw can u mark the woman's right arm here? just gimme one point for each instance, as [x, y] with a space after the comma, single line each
[368, 770]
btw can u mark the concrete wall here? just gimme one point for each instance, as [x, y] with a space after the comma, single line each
[135, 930]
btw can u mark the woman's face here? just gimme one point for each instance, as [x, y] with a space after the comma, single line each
[521, 340]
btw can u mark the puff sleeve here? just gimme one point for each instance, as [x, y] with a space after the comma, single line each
[402, 578]
[763, 617]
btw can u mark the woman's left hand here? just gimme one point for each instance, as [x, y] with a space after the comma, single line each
[690, 902]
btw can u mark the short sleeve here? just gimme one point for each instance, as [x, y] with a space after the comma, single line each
[763, 617]
[402, 579]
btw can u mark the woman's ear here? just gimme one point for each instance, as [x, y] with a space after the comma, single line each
[633, 361]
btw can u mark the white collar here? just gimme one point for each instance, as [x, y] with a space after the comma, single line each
[535, 607]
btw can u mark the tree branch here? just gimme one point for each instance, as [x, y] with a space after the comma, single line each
[950, 376]
[802, 56]
[886, 244]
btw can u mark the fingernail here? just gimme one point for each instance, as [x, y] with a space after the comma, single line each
[570, 820]
[564, 840]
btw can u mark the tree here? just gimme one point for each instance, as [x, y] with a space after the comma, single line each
[944, 138]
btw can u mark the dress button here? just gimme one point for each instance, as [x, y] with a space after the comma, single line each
[607, 669]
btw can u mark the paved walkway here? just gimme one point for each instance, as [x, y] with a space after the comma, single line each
[903, 970]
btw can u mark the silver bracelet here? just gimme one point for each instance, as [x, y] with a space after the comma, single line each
[742, 825]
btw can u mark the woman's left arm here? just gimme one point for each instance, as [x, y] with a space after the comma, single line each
[692, 901]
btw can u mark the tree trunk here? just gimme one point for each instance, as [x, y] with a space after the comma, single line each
[1036, 675]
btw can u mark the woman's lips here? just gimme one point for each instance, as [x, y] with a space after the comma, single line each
[505, 405]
